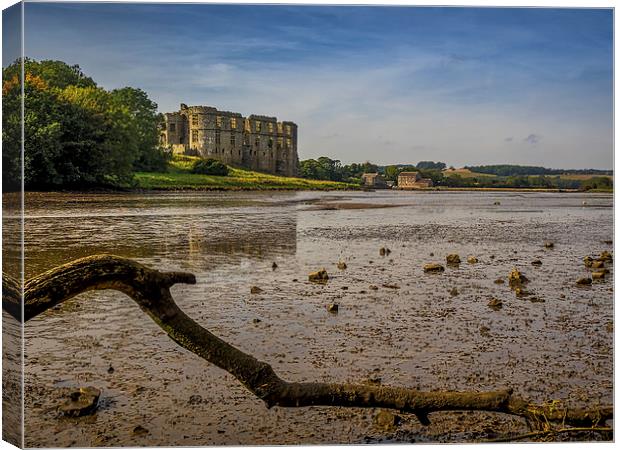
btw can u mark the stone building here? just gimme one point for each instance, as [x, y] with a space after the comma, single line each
[258, 143]
[413, 180]
[373, 180]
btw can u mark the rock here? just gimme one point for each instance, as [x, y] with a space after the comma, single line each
[345, 288]
[195, 399]
[597, 264]
[537, 262]
[608, 242]
[496, 203]
[516, 278]
[332, 307]
[274, 266]
[431, 254]
[319, 276]
[598, 275]
[499, 281]
[386, 420]
[140, 431]
[110, 369]
[384, 251]
[391, 286]
[495, 304]
[472, 259]
[342, 265]
[433, 268]
[535, 299]
[605, 256]
[549, 244]
[255, 290]
[492, 256]
[81, 402]
[372, 287]
[454, 292]
[584, 281]
[588, 261]
[256, 320]
[453, 259]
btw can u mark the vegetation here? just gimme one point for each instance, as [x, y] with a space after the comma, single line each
[210, 166]
[507, 170]
[325, 168]
[179, 176]
[77, 134]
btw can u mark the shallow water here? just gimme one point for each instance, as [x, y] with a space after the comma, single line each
[417, 335]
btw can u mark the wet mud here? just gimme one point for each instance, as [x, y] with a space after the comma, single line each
[395, 324]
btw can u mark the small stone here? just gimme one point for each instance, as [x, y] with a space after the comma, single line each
[605, 256]
[537, 262]
[453, 259]
[535, 299]
[609, 327]
[608, 242]
[195, 399]
[391, 286]
[484, 331]
[588, 261]
[319, 276]
[431, 254]
[81, 402]
[256, 320]
[492, 256]
[110, 369]
[342, 265]
[386, 420]
[598, 275]
[499, 281]
[549, 244]
[255, 290]
[332, 307]
[433, 268]
[496, 203]
[472, 259]
[454, 292]
[597, 264]
[384, 251]
[374, 379]
[345, 288]
[140, 431]
[495, 304]
[584, 281]
[516, 278]
[372, 287]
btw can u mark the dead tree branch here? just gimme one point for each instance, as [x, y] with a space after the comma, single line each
[150, 289]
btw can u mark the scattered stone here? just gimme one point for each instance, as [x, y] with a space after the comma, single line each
[195, 399]
[492, 256]
[598, 275]
[274, 266]
[81, 402]
[549, 244]
[256, 320]
[516, 278]
[499, 281]
[584, 281]
[391, 286]
[433, 268]
[562, 296]
[345, 288]
[537, 262]
[497, 203]
[295, 280]
[386, 420]
[255, 290]
[453, 259]
[372, 287]
[588, 261]
[454, 292]
[140, 431]
[342, 265]
[495, 304]
[431, 254]
[605, 256]
[332, 307]
[384, 251]
[535, 299]
[472, 259]
[319, 276]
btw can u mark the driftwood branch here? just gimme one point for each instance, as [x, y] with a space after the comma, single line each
[150, 289]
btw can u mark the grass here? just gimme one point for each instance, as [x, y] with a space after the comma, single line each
[179, 177]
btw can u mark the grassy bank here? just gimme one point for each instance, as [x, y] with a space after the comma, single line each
[179, 176]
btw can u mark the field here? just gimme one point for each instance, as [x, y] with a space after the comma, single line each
[179, 176]
[466, 173]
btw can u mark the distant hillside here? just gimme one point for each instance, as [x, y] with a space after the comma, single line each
[508, 170]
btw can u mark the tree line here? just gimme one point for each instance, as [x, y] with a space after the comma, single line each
[76, 134]
[508, 170]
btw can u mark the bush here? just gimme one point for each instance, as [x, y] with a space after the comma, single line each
[210, 166]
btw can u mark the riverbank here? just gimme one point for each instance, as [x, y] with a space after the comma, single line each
[180, 177]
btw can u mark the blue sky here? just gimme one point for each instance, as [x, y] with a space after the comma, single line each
[386, 84]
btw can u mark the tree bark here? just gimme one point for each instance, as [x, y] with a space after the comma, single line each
[150, 289]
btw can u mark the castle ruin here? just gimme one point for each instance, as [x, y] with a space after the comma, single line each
[258, 143]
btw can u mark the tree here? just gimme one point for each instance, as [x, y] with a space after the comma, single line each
[430, 165]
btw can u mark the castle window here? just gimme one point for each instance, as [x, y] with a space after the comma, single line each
[257, 142]
[270, 127]
[218, 121]
[194, 135]
[172, 127]
[270, 143]
[232, 139]
[194, 120]
[233, 123]
[280, 142]
[288, 130]
[257, 125]
[217, 137]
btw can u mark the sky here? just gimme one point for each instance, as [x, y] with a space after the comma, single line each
[465, 86]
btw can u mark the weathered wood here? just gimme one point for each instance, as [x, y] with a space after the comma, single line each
[150, 289]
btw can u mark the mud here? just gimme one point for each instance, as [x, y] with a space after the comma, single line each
[418, 335]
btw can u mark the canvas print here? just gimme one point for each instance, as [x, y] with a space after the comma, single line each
[229, 224]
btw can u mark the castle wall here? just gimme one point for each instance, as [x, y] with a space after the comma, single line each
[257, 142]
